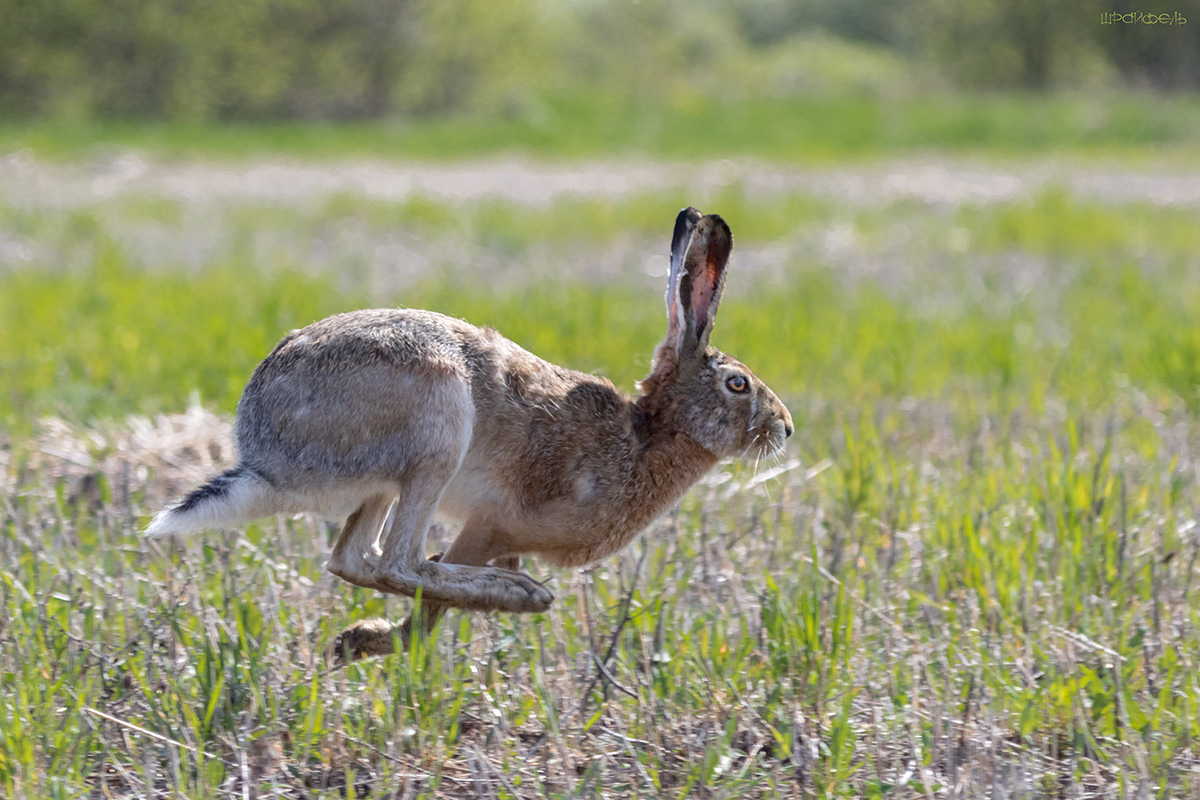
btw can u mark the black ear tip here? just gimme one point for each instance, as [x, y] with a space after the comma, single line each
[687, 218]
[684, 223]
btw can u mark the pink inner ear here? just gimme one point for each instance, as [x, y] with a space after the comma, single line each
[702, 294]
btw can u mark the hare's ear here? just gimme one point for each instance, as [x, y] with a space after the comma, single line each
[685, 223]
[702, 279]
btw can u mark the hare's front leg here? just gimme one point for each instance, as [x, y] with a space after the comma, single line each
[403, 568]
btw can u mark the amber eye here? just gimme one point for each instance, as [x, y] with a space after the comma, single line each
[737, 383]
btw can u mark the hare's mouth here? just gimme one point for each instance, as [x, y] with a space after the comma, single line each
[766, 445]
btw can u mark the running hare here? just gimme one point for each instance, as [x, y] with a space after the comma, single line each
[357, 410]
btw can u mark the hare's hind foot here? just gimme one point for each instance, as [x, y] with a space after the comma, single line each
[472, 588]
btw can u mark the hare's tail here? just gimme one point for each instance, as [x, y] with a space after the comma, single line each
[234, 496]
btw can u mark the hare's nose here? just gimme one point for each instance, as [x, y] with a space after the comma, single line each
[788, 430]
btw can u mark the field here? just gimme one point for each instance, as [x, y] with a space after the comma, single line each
[969, 576]
[690, 123]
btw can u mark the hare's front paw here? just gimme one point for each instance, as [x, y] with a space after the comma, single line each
[368, 637]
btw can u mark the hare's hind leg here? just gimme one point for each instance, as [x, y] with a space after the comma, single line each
[475, 546]
[356, 553]
[403, 568]
[429, 450]
[377, 637]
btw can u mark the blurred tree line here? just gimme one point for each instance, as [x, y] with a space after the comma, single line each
[197, 60]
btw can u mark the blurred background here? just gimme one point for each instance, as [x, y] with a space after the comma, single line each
[414, 59]
[967, 257]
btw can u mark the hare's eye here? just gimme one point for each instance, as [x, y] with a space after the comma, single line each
[737, 383]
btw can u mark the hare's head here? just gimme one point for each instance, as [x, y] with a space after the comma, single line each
[694, 388]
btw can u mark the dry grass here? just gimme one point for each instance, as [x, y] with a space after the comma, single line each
[892, 618]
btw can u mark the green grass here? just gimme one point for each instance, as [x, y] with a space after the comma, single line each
[1104, 308]
[800, 129]
[981, 572]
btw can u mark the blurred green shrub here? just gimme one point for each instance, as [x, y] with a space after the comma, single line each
[309, 59]
[1029, 44]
